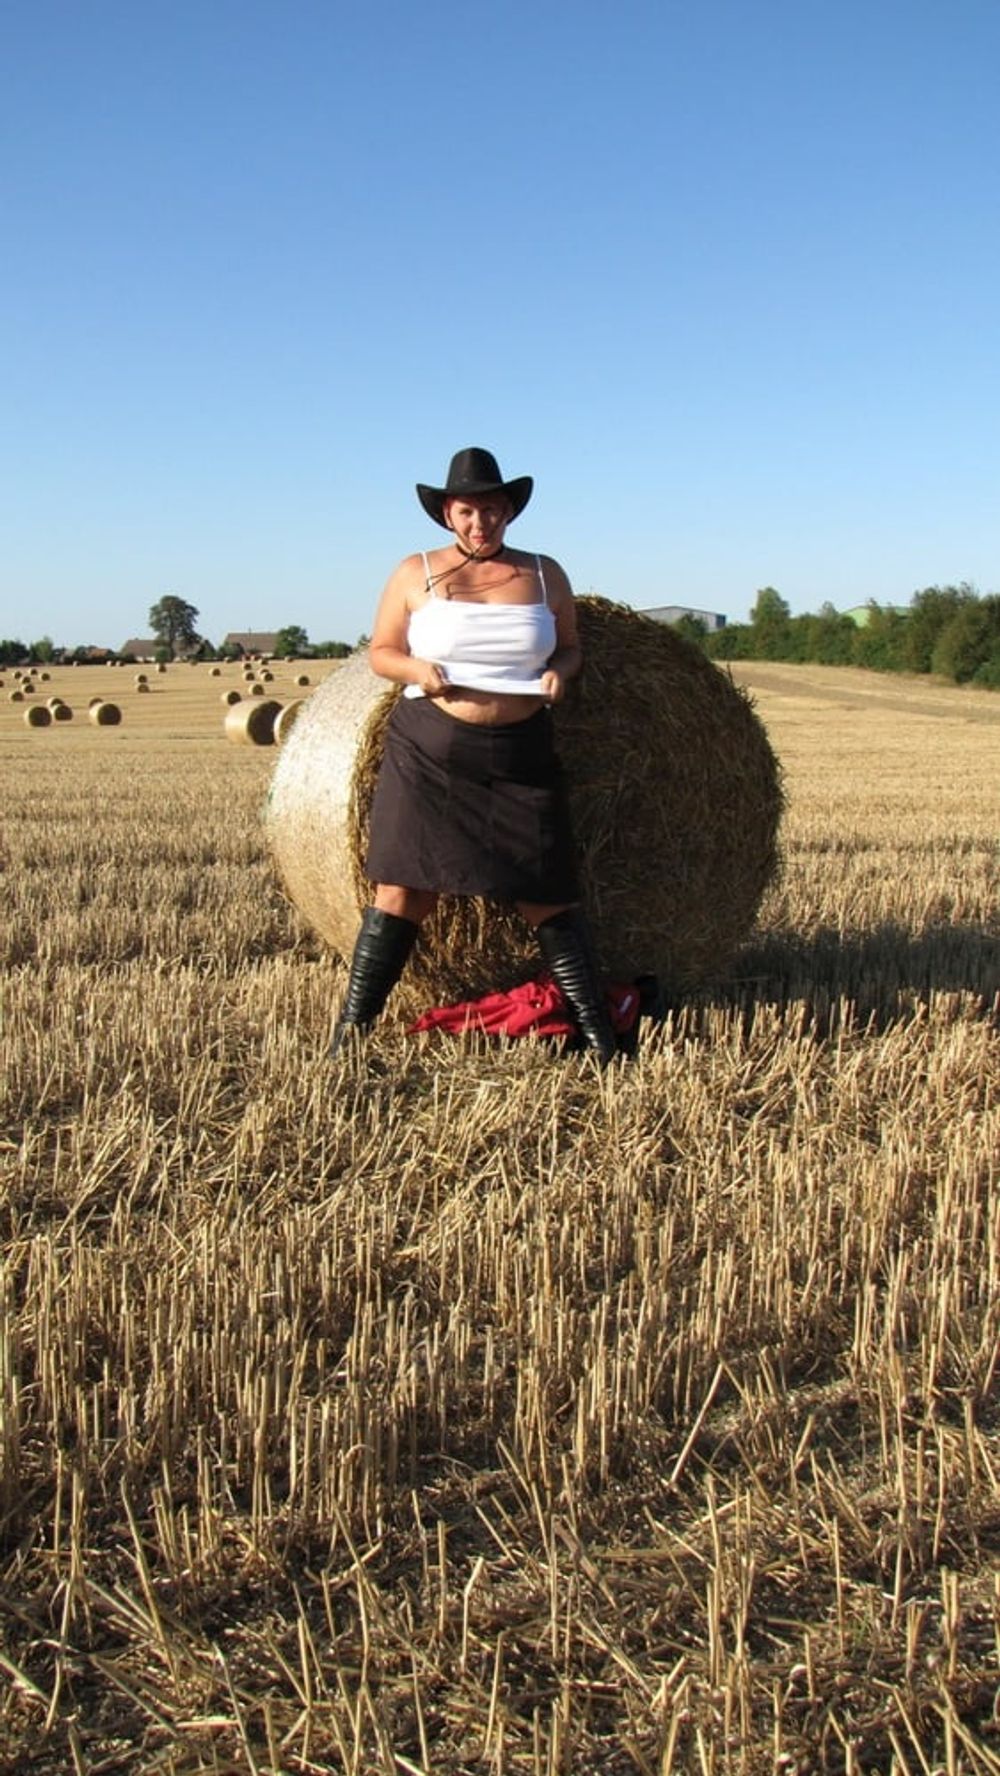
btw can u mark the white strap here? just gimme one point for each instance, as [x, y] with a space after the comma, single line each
[541, 580]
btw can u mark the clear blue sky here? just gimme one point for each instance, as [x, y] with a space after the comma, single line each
[723, 275]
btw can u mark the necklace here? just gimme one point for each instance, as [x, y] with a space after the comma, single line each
[474, 555]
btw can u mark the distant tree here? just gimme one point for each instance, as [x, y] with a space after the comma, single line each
[769, 621]
[968, 640]
[879, 643]
[12, 653]
[330, 650]
[172, 621]
[43, 651]
[692, 628]
[291, 642]
[830, 637]
[735, 641]
[929, 611]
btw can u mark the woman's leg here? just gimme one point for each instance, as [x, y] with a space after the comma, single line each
[388, 933]
[566, 949]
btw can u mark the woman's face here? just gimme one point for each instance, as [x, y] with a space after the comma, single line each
[478, 523]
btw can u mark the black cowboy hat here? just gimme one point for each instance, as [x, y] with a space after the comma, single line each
[472, 473]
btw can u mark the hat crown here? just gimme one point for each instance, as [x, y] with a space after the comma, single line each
[473, 470]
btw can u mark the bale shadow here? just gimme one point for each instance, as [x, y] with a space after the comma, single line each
[864, 977]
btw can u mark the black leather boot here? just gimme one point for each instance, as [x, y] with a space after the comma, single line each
[380, 955]
[564, 942]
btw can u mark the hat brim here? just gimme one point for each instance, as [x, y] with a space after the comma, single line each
[517, 492]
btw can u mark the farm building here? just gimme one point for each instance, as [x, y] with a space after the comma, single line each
[672, 613]
[141, 647]
[250, 641]
[860, 614]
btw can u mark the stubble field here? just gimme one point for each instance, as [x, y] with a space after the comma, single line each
[464, 1409]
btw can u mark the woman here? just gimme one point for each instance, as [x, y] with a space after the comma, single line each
[470, 799]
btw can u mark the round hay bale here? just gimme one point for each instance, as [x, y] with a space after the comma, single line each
[93, 702]
[216, 672]
[38, 716]
[62, 713]
[251, 724]
[28, 687]
[52, 702]
[257, 689]
[17, 696]
[143, 686]
[45, 676]
[160, 666]
[303, 679]
[105, 715]
[140, 678]
[286, 720]
[230, 697]
[676, 799]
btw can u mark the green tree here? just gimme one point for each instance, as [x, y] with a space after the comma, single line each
[929, 611]
[879, 643]
[172, 621]
[44, 651]
[769, 621]
[692, 628]
[290, 642]
[968, 640]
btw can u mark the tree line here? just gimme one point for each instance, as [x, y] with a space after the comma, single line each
[950, 631]
[173, 621]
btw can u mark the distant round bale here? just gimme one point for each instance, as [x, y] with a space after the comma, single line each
[676, 800]
[105, 715]
[286, 720]
[17, 696]
[140, 678]
[216, 672]
[303, 679]
[142, 685]
[257, 689]
[251, 724]
[93, 702]
[28, 687]
[45, 676]
[160, 666]
[38, 716]
[62, 712]
[52, 702]
[230, 697]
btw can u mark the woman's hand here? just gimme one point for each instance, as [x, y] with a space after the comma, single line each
[552, 685]
[431, 679]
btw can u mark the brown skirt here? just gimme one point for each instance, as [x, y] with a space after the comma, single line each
[465, 808]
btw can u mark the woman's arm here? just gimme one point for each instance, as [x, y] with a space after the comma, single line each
[389, 653]
[568, 657]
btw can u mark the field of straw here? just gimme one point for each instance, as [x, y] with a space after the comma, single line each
[460, 1408]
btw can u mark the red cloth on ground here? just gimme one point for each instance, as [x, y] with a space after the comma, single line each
[536, 1008]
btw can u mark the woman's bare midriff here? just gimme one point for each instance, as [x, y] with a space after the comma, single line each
[488, 708]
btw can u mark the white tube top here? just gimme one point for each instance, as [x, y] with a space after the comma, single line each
[484, 647]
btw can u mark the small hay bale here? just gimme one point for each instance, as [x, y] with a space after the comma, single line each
[38, 716]
[216, 672]
[105, 715]
[302, 680]
[251, 724]
[143, 686]
[28, 687]
[93, 702]
[140, 678]
[45, 676]
[160, 666]
[17, 696]
[287, 719]
[52, 702]
[676, 800]
[257, 689]
[62, 713]
[230, 697]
